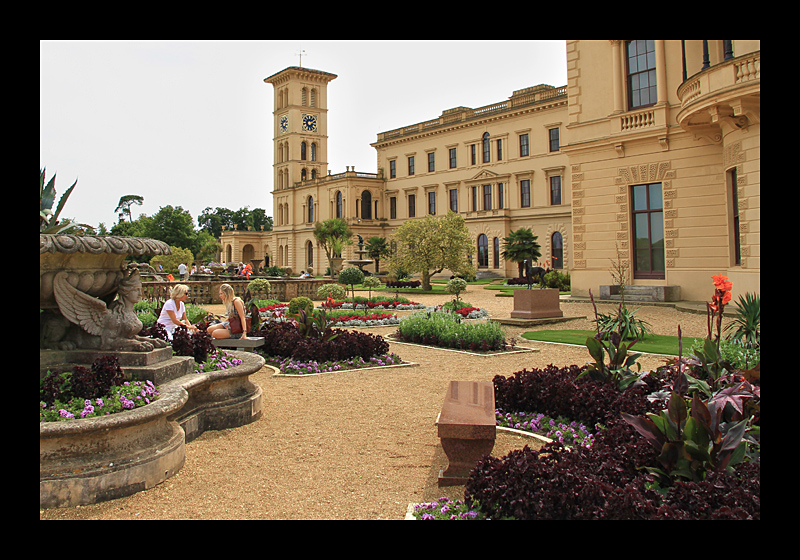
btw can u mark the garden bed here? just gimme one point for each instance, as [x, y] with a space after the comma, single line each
[510, 349]
[283, 367]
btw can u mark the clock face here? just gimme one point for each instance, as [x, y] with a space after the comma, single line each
[284, 123]
[310, 123]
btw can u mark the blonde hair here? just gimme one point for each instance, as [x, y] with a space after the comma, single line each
[229, 297]
[178, 290]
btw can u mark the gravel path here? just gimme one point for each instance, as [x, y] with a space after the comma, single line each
[355, 444]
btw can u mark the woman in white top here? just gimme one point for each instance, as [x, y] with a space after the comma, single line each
[174, 311]
[233, 305]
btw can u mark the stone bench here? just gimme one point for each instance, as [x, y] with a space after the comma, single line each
[245, 345]
[467, 428]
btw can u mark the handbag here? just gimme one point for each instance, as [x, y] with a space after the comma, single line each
[236, 324]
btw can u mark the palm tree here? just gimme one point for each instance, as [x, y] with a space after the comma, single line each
[519, 246]
[333, 235]
[378, 248]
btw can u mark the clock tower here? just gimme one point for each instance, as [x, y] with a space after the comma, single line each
[301, 125]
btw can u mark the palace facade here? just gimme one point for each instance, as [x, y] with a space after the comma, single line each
[649, 154]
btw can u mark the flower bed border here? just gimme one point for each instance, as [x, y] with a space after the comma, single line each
[490, 353]
[298, 375]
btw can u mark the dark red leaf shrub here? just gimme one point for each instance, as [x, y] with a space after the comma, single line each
[556, 392]
[604, 481]
[82, 382]
[283, 339]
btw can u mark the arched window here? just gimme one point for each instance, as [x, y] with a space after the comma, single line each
[339, 205]
[313, 97]
[303, 174]
[309, 255]
[313, 151]
[557, 249]
[485, 147]
[310, 209]
[366, 205]
[302, 151]
[483, 251]
[304, 97]
[313, 173]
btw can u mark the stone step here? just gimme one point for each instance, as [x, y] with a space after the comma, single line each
[641, 293]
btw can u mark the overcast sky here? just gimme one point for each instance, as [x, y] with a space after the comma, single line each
[189, 123]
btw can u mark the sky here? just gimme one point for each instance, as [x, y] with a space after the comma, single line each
[190, 124]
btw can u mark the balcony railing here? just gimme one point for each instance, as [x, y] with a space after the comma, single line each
[530, 96]
[739, 71]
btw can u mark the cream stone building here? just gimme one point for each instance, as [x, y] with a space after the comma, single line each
[650, 153]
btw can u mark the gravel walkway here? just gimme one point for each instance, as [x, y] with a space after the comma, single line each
[355, 444]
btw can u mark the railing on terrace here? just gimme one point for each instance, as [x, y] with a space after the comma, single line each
[207, 291]
[336, 177]
[529, 96]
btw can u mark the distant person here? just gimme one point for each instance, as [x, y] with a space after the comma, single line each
[182, 271]
[233, 306]
[174, 311]
[304, 274]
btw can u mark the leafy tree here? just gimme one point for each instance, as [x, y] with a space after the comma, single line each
[125, 203]
[333, 235]
[214, 220]
[378, 248]
[173, 226]
[429, 245]
[519, 246]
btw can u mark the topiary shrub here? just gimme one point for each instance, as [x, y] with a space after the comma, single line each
[335, 291]
[298, 303]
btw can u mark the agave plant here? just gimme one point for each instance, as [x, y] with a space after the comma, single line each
[746, 328]
[48, 220]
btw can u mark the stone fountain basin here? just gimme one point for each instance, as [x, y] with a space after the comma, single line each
[90, 460]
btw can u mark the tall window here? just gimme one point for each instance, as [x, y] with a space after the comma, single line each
[410, 165]
[393, 207]
[454, 200]
[474, 199]
[524, 147]
[452, 158]
[393, 169]
[736, 247]
[339, 205]
[500, 201]
[313, 151]
[648, 231]
[483, 251]
[499, 149]
[431, 162]
[366, 205]
[557, 250]
[310, 255]
[472, 154]
[486, 150]
[302, 151]
[487, 197]
[525, 193]
[412, 206]
[555, 190]
[496, 248]
[432, 202]
[641, 73]
[554, 140]
[310, 209]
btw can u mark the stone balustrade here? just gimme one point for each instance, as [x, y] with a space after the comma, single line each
[207, 291]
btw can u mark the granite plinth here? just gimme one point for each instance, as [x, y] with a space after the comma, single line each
[536, 303]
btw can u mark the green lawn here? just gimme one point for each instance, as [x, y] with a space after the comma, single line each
[654, 343]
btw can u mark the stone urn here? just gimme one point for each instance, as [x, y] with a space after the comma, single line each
[79, 278]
